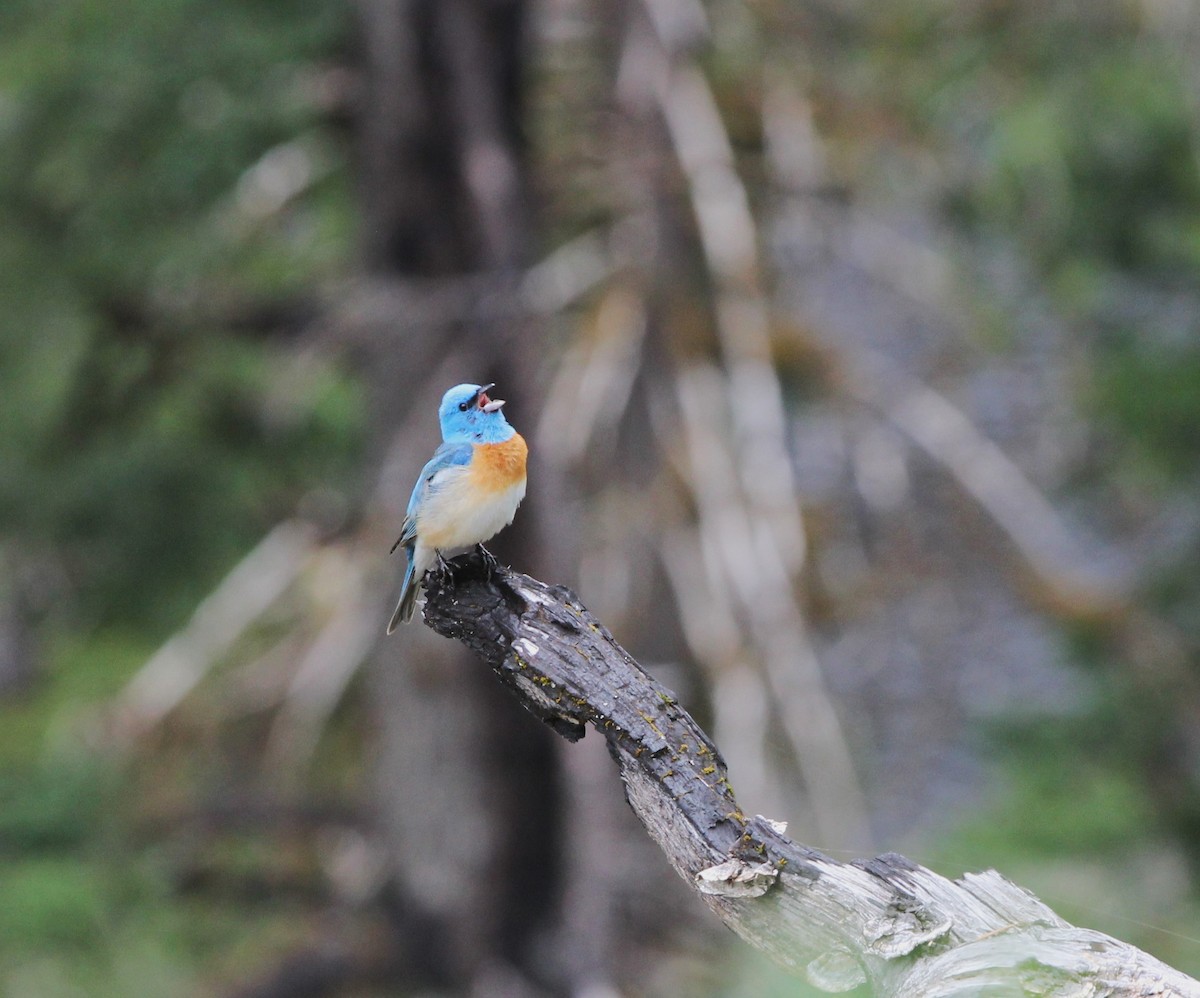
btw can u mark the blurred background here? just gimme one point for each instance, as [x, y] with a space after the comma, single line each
[856, 346]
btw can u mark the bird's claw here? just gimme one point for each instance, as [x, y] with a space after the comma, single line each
[489, 560]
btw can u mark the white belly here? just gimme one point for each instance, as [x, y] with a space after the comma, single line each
[458, 518]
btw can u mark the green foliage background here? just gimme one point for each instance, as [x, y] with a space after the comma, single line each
[142, 443]
[149, 433]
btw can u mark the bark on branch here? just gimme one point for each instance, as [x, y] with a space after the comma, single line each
[887, 922]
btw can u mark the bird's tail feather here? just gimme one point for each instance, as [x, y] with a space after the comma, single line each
[408, 596]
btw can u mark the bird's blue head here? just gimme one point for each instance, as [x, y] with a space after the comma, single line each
[467, 414]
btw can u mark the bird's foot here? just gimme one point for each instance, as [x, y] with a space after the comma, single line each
[441, 564]
[489, 560]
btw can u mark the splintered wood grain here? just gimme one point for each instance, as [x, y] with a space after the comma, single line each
[884, 921]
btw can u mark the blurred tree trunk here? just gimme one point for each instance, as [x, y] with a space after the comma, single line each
[18, 658]
[444, 184]
[504, 883]
[444, 196]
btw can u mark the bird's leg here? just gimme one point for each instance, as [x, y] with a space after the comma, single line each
[488, 559]
[442, 565]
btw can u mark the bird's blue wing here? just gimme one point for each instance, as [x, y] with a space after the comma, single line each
[448, 455]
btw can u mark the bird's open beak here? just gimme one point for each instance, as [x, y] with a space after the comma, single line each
[487, 404]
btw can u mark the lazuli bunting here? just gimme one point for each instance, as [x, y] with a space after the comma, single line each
[469, 490]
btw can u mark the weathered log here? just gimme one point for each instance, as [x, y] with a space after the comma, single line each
[887, 922]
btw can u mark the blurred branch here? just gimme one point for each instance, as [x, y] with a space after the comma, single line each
[592, 386]
[241, 598]
[323, 673]
[729, 239]
[1075, 577]
[1080, 580]
[366, 311]
[739, 468]
[741, 700]
[738, 545]
[899, 927]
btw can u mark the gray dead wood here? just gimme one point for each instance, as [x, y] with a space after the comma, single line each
[898, 927]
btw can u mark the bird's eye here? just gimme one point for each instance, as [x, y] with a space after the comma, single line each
[462, 406]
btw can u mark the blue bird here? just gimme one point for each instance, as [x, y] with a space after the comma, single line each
[468, 492]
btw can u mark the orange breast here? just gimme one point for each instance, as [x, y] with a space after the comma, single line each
[499, 466]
